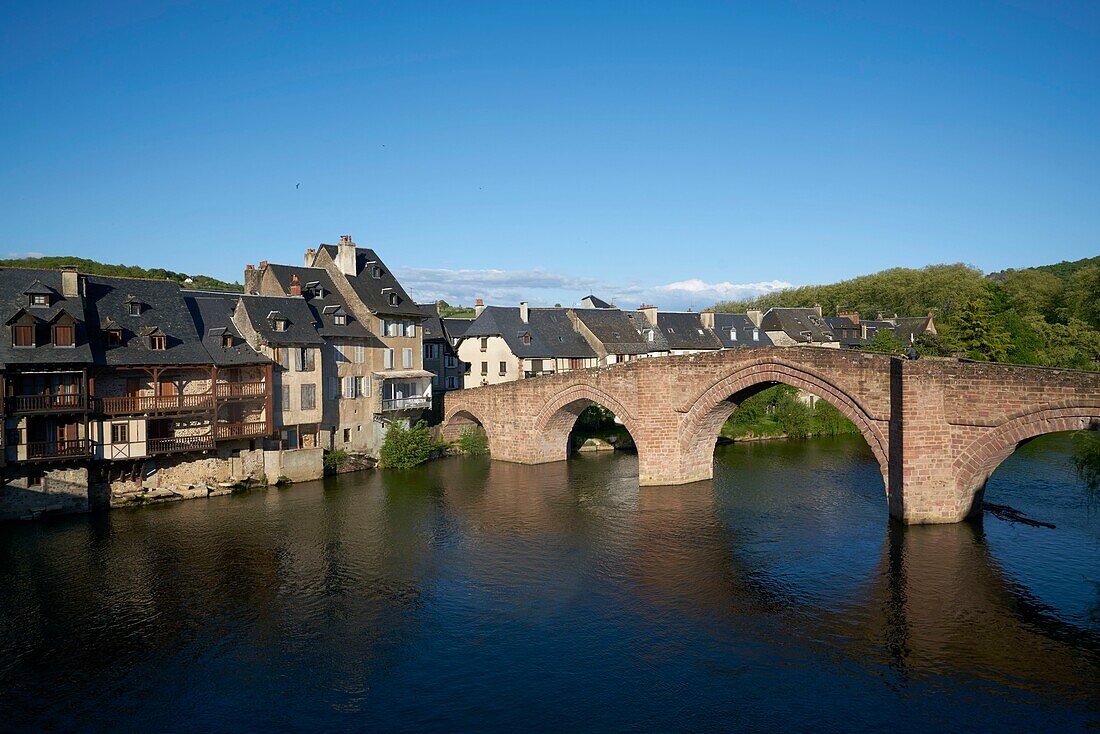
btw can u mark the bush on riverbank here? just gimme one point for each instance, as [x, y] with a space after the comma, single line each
[473, 442]
[778, 411]
[406, 446]
[598, 422]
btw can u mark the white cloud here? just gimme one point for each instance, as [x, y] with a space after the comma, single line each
[539, 287]
[22, 255]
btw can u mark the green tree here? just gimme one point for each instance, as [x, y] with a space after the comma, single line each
[886, 341]
[1086, 459]
[976, 334]
[473, 441]
[1083, 295]
[405, 447]
[794, 416]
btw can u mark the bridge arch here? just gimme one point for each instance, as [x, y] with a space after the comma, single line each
[981, 457]
[705, 413]
[455, 420]
[559, 414]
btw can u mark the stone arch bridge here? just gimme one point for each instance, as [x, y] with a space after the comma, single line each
[938, 427]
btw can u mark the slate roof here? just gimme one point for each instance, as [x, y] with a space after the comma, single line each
[163, 312]
[324, 301]
[796, 322]
[911, 326]
[614, 329]
[684, 330]
[213, 316]
[591, 301]
[15, 285]
[743, 326]
[641, 323]
[373, 291]
[300, 330]
[842, 326]
[432, 326]
[456, 328]
[552, 333]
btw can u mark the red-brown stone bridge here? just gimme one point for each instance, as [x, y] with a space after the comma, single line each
[938, 427]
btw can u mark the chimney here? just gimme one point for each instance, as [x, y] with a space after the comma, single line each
[70, 282]
[852, 316]
[707, 317]
[479, 306]
[755, 316]
[295, 285]
[345, 255]
[524, 312]
[252, 278]
[310, 254]
[817, 309]
[650, 314]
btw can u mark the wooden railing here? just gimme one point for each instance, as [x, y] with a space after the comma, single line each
[74, 447]
[42, 403]
[128, 405]
[242, 389]
[179, 443]
[223, 431]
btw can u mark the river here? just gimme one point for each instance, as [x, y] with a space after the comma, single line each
[471, 595]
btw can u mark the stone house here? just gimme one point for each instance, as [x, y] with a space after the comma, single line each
[790, 327]
[440, 358]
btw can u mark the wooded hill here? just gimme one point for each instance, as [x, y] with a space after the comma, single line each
[1048, 315]
[92, 267]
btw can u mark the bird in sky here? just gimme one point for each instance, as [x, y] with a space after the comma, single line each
[297, 185]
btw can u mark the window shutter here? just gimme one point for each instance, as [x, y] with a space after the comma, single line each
[388, 359]
[406, 358]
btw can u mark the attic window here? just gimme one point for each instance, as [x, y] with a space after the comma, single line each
[22, 336]
[114, 337]
[340, 319]
[135, 308]
[700, 332]
[158, 342]
[40, 299]
[227, 340]
[64, 335]
[526, 338]
[733, 335]
[376, 272]
[393, 299]
[649, 335]
[279, 324]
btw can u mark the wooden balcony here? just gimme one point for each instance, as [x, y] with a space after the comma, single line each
[223, 431]
[144, 404]
[77, 448]
[240, 390]
[416, 402]
[179, 444]
[52, 403]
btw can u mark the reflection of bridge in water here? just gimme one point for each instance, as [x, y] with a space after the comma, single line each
[937, 427]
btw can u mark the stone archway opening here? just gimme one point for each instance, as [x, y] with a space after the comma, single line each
[597, 429]
[467, 430]
[778, 400]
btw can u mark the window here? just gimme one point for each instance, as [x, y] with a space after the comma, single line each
[35, 477]
[309, 397]
[22, 336]
[353, 387]
[431, 351]
[347, 435]
[158, 342]
[284, 357]
[503, 368]
[484, 343]
[526, 338]
[284, 398]
[114, 337]
[451, 383]
[576, 364]
[450, 362]
[406, 358]
[393, 299]
[279, 325]
[387, 359]
[360, 354]
[756, 335]
[649, 335]
[376, 272]
[135, 309]
[484, 368]
[391, 328]
[305, 359]
[120, 433]
[410, 329]
[227, 341]
[467, 367]
[40, 299]
[64, 335]
[340, 320]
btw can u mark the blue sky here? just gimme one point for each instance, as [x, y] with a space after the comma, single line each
[676, 152]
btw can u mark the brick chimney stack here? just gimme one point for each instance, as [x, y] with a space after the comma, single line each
[345, 255]
[252, 278]
[295, 285]
[852, 316]
[479, 306]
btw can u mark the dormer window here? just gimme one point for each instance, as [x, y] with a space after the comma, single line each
[279, 324]
[756, 335]
[114, 337]
[733, 335]
[393, 299]
[22, 335]
[64, 335]
[376, 272]
[227, 341]
[158, 342]
[526, 338]
[39, 299]
[340, 319]
[649, 336]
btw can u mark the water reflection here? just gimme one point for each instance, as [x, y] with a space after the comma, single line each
[476, 593]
